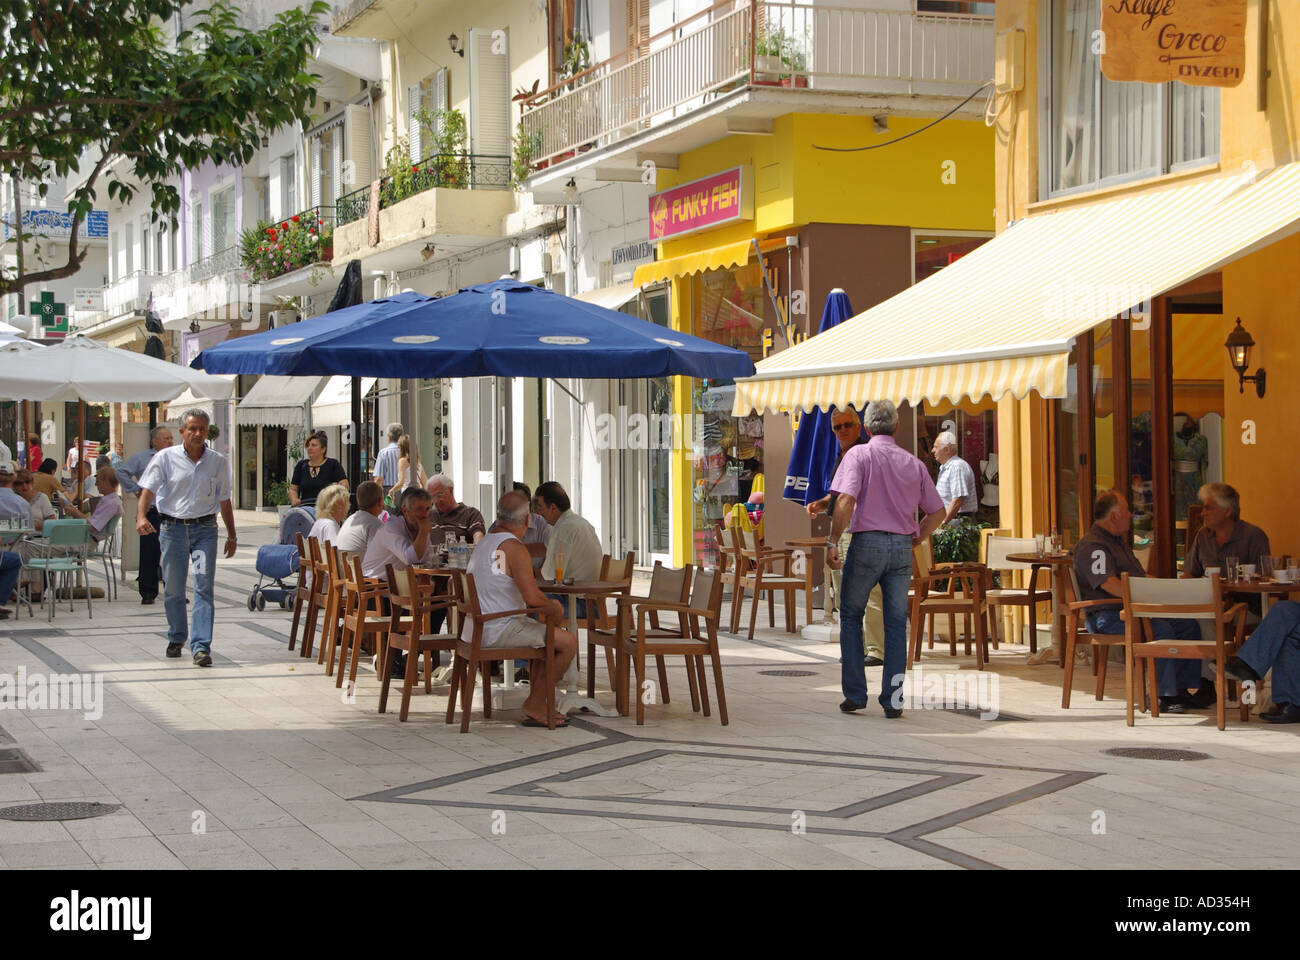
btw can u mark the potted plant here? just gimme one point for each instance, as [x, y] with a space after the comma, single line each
[277, 495]
[526, 148]
[794, 57]
[767, 57]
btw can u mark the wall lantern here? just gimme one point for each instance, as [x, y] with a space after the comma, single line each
[1239, 343]
[454, 40]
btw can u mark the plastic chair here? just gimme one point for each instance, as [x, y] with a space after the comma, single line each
[72, 539]
[105, 550]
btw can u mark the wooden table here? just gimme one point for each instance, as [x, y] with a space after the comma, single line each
[1059, 564]
[570, 701]
[1268, 590]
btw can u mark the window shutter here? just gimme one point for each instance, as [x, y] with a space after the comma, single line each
[414, 95]
[441, 92]
[489, 96]
[315, 172]
[336, 142]
[358, 148]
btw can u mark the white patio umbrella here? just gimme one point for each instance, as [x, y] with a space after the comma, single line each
[84, 369]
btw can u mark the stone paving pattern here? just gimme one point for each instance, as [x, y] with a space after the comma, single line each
[286, 774]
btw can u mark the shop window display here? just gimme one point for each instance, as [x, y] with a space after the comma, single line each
[729, 307]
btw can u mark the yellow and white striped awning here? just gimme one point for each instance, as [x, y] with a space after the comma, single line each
[715, 258]
[1002, 318]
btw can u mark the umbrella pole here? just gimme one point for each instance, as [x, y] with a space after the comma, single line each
[354, 454]
[22, 441]
[81, 454]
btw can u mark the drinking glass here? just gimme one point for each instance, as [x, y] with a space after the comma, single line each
[1040, 543]
[1231, 567]
[1293, 573]
[1248, 571]
[1266, 566]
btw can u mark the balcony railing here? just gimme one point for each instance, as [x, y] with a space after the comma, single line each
[221, 262]
[475, 171]
[129, 293]
[837, 49]
[283, 246]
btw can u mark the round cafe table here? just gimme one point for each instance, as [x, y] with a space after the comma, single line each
[1269, 590]
[570, 701]
[1059, 564]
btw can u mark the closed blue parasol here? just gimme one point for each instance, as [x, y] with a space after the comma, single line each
[812, 460]
[500, 329]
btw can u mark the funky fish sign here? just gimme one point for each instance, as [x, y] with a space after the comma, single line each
[701, 204]
[1198, 42]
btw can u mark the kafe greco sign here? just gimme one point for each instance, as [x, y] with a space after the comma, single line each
[1199, 42]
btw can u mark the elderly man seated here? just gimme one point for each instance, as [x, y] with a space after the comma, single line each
[108, 506]
[1274, 645]
[503, 579]
[12, 506]
[405, 540]
[1223, 533]
[358, 529]
[1100, 557]
[450, 516]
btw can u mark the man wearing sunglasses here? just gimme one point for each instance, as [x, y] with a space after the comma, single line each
[848, 432]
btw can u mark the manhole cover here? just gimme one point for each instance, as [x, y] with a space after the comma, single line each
[73, 810]
[1155, 753]
[13, 760]
[788, 673]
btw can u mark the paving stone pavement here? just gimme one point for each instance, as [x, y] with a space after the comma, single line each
[261, 762]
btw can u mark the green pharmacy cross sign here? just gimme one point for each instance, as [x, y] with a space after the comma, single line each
[54, 316]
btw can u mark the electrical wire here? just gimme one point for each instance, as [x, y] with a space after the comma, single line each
[877, 146]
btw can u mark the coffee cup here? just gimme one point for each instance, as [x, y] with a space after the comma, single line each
[1282, 575]
[1213, 572]
[1248, 571]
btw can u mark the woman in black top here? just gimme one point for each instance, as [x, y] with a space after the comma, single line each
[315, 473]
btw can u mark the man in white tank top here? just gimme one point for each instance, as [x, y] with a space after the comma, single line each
[503, 578]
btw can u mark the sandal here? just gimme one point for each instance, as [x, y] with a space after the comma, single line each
[531, 722]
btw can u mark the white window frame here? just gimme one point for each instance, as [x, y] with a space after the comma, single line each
[1046, 127]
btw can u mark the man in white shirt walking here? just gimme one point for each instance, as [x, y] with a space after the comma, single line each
[190, 483]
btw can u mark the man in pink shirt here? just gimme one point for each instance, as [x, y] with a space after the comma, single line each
[880, 487]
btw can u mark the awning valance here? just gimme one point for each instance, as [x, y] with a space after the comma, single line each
[277, 401]
[333, 407]
[612, 297]
[1002, 318]
[715, 258]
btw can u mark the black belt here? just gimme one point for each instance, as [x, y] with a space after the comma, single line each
[190, 521]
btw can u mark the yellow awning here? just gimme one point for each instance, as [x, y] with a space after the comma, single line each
[715, 258]
[1002, 318]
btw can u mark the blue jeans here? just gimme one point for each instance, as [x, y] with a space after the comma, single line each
[189, 548]
[885, 559]
[1275, 645]
[11, 565]
[1173, 677]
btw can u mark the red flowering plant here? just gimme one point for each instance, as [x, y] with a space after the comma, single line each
[271, 249]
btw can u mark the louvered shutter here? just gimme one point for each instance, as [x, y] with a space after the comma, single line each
[441, 94]
[489, 96]
[358, 149]
[315, 146]
[415, 138]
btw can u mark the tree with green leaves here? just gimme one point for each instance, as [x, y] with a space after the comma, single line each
[110, 81]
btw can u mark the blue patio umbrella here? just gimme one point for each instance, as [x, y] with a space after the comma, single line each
[500, 329]
[812, 459]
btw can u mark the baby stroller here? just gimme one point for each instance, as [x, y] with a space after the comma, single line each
[279, 561]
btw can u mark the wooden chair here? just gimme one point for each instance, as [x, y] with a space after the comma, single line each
[728, 561]
[362, 615]
[969, 604]
[331, 630]
[693, 642]
[754, 573]
[1147, 598]
[410, 602]
[302, 593]
[1028, 596]
[1076, 632]
[316, 598]
[470, 656]
[602, 623]
[922, 565]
